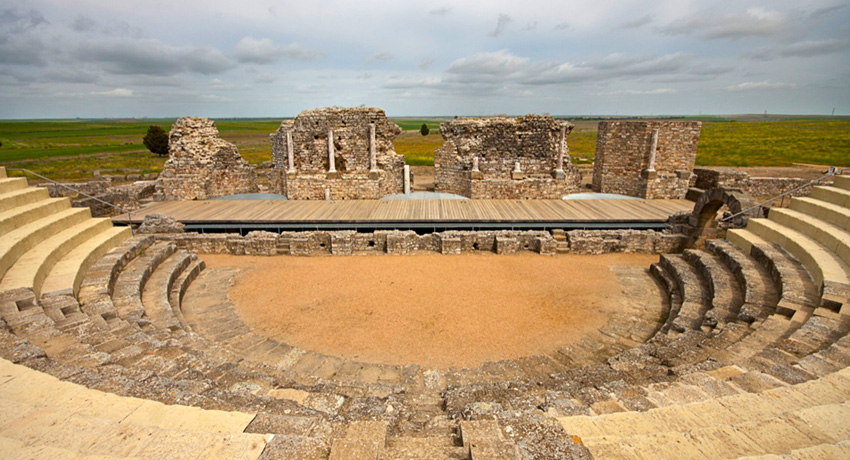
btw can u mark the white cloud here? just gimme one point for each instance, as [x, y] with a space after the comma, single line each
[754, 22]
[117, 92]
[501, 24]
[633, 92]
[751, 85]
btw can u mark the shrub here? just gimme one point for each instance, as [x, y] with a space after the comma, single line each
[424, 130]
[156, 140]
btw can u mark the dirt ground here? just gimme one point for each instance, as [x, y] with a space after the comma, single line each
[429, 309]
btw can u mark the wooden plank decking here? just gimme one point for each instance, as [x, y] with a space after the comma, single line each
[287, 213]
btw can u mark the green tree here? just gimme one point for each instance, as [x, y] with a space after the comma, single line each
[424, 130]
[156, 140]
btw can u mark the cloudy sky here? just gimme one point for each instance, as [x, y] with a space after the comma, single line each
[265, 58]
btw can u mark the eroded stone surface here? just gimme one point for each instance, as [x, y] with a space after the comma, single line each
[505, 158]
[201, 165]
[363, 164]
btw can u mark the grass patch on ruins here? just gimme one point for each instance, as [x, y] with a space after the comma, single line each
[71, 150]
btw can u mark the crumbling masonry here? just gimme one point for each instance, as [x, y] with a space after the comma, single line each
[646, 159]
[505, 158]
[337, 153]
[201, 165]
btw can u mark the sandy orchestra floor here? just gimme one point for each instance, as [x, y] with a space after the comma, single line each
[428, 309]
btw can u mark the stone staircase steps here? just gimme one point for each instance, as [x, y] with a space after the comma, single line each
[834, 195]
[45, 416]
[828, 212]
[67, 274]
[132, 280]
[155, 296]
[694, 296]
[178, 290]
[17, 242]
[833, 237]
[22, 197]
[661, 273]
[772, 421]
[30, 212]
[760, 295]
[31, 269]
[10, 184]
[829, 271]
[723, 290]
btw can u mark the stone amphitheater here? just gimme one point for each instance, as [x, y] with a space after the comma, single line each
[105, 356]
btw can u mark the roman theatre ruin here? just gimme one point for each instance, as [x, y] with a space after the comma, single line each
[669, 314]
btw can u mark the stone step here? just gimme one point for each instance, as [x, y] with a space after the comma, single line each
[67, 274]
[127, 296]
[760, 294]
[179, 290]
[30, 270]
[695, 301]
[828, 212]
[842, 182]
[834, 195]
[8, 184]
[17, 242]
[723, 289]
[3, 172]
[24, 196]
[828, 270]
[52, 417]
[155, 296]
[20, 216]
[410, 448]
[834, 238]
[661, 273]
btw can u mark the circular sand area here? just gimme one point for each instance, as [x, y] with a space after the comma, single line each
[430, 309]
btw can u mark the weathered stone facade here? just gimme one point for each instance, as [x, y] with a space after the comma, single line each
[363, 164]
[646, 159]
[505, 158]
[201, 165]
[347, 242]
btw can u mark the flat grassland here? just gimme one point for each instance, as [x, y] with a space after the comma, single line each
[71, 150]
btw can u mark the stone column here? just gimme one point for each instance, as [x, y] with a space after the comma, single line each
[406, 179]
[475, 164]
[290, 155]
[652, 148]
[562, 145]
[331, 159]
[373, 160]
[517, 173]
[475, 173]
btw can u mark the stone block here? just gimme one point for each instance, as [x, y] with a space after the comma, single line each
[450, 245]
[506, 245]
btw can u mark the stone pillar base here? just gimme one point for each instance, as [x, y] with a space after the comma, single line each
[559, 174]
[332, 175]
[374, 175]
[476, 175]
[517, 175]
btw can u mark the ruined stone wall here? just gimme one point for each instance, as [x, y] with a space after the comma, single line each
[627, 164]
[760, 187]
[201, 165]
[449, 242]
[128, 197]
[309, 175]
[498, 144]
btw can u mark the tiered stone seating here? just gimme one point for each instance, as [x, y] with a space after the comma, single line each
[746, 354]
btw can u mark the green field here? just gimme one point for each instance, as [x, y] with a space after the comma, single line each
[71, 150]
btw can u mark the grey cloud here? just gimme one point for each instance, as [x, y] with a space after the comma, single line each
[426, 62]
[265, 51]
[440, 11]
[64, 75]
[22, 51]
[563, 26]
[83, 24]
[530, 26]
[637, 23]
[501, 24]
[498, 63]
[13, 21]
[754, 22]
[151, 57]
[810, 48]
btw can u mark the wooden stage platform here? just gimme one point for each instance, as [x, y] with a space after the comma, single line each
[411, 214]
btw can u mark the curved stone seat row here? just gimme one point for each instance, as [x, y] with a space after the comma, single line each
[747, 337]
